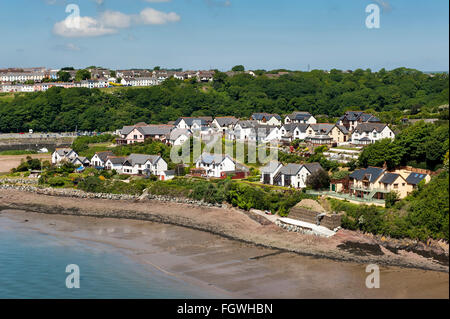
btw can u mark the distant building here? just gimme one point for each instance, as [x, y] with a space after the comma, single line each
[63, 154]
[215, 164]
[368, 133]
[300, 117]
[351, 119]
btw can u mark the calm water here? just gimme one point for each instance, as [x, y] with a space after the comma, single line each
[33, 264]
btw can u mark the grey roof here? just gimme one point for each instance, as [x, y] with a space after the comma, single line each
[369, 127]
[248, 124]
[342, 128]
[176, 133]
[63, 151]
[322, 128]
[191, 120]
[312, 167]
[104, 155]
[155, 129]
[208, 158]
[292, 126]
[389, 178]
[360, 116]
[372, 173]
[226, 120]
[299, 116]
[116, 160]
[170, 172]
[415, 178]
[291, 169]
[268, 116]
[82, 159]
[127, 130]
[141, 159]
[270, 167]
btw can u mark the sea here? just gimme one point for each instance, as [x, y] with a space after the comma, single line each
[35, 265]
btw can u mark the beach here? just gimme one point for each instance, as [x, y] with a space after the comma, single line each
[227, 250]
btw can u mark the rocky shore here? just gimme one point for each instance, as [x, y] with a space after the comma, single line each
[223, 221]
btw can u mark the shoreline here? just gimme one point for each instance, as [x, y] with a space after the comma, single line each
[232, 224]
[231, 268]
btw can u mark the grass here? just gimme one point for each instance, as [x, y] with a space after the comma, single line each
[17, 152]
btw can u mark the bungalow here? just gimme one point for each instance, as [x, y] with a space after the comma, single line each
[368, 133]
[215, 164]
[224, 123]
[295, 175]
[352, 119]
[115, 163]
[269, 171]
[140, 164]
[300, 117]
[61, 154]
[266, 119]
[167, 175]
[99, 159]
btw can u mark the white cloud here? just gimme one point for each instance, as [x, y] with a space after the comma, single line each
[115, 19]
[110, 22]
[152, 16]
[84, 27]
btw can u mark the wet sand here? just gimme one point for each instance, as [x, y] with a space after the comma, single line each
[240, 269]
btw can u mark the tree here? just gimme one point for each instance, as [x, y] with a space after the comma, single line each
[238, 68]
[390, 199]
[82, 74]
[63, 76]
[156, 68]
[318, 180]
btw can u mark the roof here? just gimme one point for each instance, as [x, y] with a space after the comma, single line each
[63, 151]
[292, 126]
[369, 127]
[299, 116]
[176, 133]
[170, 172]
[270, 167]
[208, 158]
[248, 123]
[389, 178]
[104, 155]
[141, 159]
[312, 167]
[116, 159]
[342, 128]
[268, 116]
[322, 128]
[291, 169]
[155, 129]
[372, 173]
[360, 116]
[191, 120]
[415, 178]
[226, 120]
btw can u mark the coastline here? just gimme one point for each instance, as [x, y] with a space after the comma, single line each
[229, 223]
[230, 268]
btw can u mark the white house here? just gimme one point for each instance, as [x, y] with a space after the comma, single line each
[140, 164]
[269, 171]
[115, 163]
[191, 123]
[294, 131]
[351, 119]
[295, 175]
[215, 164]
[178, 136]
[368, 133]
[61, 154]
[224, 123]
[245, 130]
[99, 159]
[80, 160]
[300, 117]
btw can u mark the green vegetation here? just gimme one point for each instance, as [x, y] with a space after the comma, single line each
[81, 143]
[421, 145]
[393, 94]
[28, 164]
[17, 152]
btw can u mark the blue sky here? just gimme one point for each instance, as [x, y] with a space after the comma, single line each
[203, 34]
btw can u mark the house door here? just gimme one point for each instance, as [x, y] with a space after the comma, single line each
[333, 187]
[162, 177]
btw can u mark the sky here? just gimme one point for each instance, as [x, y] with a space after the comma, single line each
[218, 34]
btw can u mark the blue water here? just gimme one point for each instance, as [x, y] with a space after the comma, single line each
[33, 265]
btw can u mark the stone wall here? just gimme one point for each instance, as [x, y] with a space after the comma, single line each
[330, 221]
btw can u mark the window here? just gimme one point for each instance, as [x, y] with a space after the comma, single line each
[396, 186]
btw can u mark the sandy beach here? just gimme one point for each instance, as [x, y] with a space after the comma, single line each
[7, 162]
[233, 252]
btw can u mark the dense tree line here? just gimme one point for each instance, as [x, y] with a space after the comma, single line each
[319, 92]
